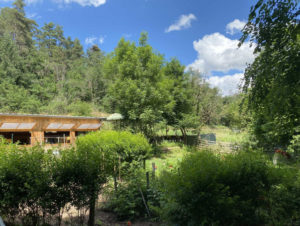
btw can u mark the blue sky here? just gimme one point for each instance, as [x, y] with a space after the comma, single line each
[202, 34]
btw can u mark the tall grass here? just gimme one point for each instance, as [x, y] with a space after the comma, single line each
[225, 134]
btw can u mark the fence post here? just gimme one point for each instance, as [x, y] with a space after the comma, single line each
[147, 178]
[153, 169]
[115, 178]
[119, 168]
[115, 183]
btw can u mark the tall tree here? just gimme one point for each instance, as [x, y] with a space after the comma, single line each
[13, 22]
[137, 90]
[272, 81]
[206, 100]
[233, 113]
[96, 82]
[180, 91]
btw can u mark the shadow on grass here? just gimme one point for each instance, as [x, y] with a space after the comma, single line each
[165, 149]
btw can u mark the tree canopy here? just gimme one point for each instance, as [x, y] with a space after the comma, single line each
[43, 71]
[272, 81]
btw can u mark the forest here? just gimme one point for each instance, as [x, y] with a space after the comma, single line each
[44, 72]
[255, 183]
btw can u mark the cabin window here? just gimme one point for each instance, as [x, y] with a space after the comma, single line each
[79, 133]
[57, 137]
[22, 138]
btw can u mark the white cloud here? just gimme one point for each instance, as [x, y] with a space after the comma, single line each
[228, 84]
[183, 22]
[28, 2]
[101, 40]
[94, 3]
[219, 53]
[235, 26]
[33, 16]
[32, 1]
[90, 40]
[93, 39]
[127, 35]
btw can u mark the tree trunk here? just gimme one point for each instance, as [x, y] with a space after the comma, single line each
[184, 135]
[91, 221]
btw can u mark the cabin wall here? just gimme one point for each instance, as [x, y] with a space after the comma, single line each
[41, 123]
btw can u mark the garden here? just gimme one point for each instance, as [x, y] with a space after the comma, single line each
[154, 167]
[120, 173]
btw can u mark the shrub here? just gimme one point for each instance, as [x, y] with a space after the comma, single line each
[35, 184]
[25, 183]
[294, 147]
[97, 156]
[129, 152]
[80, 108]
[210, 189]
[126, 147]
[127, 201]
[284, 198]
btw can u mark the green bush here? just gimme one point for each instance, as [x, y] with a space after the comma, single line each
[127, 202]
[284, 198]
[130, 150]
[36, 184]
[235, 189]
[80, 108]
[219, 190]
[126, 147]
[80, 173]
[294, 147]
[25, 183]
[97, 156]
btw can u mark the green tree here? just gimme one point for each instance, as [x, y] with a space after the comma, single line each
[233, 113]
[272, 81]
[95, 79]
[50, 36]
[14, 23]
[181, 97]
[137, 90]
[206, 100]
[19, 79]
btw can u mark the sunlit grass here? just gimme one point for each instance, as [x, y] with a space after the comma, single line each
[173, 132]
[225, 134]
[169, 156]
[170, 153]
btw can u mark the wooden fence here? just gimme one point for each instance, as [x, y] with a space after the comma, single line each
[192, 140]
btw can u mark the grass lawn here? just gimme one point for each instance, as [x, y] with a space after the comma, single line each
[225, 134]
[171, 153]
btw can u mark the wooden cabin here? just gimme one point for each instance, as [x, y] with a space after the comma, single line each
[46, 129]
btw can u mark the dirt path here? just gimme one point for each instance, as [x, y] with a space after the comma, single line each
[102, 218]
[109, 219]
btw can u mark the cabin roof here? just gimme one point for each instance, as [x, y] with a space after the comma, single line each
[50, 116]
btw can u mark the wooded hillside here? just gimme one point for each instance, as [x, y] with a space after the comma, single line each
[42, 71]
